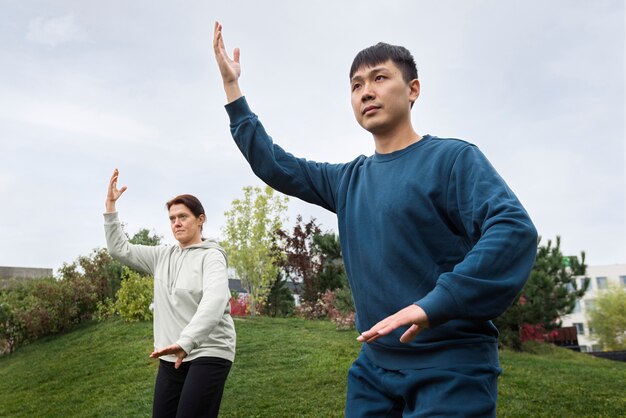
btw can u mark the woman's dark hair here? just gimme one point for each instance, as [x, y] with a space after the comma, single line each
[381, 52]
[192, 203]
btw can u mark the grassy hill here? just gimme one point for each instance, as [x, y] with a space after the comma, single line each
[284, 368]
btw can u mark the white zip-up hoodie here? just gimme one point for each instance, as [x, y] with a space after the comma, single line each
[191, 295]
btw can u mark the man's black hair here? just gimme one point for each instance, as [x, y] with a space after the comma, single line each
[381, 52]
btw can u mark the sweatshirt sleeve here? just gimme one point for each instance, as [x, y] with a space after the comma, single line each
[503, 243]
[139, 257]
[214, 302]
[308, 180]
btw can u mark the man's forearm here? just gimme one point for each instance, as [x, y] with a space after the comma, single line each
[233, 92]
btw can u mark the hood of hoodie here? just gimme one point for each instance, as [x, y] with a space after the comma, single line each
[205, 244]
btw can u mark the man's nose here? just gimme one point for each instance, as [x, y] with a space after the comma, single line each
[367, 94]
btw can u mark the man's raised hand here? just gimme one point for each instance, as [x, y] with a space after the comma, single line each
[230, 69]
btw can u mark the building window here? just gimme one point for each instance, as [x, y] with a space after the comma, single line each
[577, 307]
[596, 347]
[584, 349]
[622, 281]
[581, 282]
[580, 328]
[590, 304]
[601, 282]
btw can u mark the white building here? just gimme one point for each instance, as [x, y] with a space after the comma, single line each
[601, 277]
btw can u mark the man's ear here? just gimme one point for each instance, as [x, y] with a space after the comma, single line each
[414, 92]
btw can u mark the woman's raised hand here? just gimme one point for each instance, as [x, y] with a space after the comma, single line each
[114, 193]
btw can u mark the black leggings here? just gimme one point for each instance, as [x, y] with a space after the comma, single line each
[194, 390]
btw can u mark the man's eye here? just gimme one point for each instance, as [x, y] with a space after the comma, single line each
[355, 86]
[379, 77]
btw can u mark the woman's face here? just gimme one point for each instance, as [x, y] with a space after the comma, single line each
[187, 229]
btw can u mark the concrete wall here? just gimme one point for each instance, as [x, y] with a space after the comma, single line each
[24, 272]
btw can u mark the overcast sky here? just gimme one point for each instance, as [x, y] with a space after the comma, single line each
[88, 86]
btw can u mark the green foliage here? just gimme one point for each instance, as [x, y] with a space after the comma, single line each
[280, 301]
[336, 305]
[249, 240]
[301, 263]
[105, 309]
[550, 293]
[42, 379]
[343, 301]
[607, 319]
[333, 274]
[143, 237]
[37, 308]
[12, 331]
[98, 267]
[133, 300]
[32, 309]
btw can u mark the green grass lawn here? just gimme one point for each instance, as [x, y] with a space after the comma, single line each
[284, 368]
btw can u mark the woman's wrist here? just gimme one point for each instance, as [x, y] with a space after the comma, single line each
[109, 206]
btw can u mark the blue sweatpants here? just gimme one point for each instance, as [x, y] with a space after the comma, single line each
[460, 390]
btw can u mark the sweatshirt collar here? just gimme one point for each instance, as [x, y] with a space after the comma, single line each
[381, 158]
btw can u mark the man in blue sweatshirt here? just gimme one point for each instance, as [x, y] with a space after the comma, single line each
[435, 243]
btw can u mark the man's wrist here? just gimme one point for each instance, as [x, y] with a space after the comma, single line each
[233, 92]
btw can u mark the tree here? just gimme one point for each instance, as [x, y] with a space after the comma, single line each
[143, 237]
[280, 301]
[100, 268]
[301, 263]
[249, 240]
[550, 293]
[333, 274]
[607, 319]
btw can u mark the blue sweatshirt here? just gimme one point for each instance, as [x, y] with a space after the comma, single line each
[432, 224]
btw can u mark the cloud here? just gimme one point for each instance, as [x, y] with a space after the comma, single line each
[6, 182]
[81, 120]
[54, 31]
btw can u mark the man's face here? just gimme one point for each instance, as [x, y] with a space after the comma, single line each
[187, 229]
[381, 99]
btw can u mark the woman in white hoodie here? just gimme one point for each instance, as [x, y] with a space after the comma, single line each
[194, 334]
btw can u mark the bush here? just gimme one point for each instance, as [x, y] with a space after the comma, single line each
[343, 300]
[133, 300]
[312, 310]
[335, 305]
[239, 305]
[100, 268]
[33, 309]
[11, 329]
[43, 307]
[105, 310]
[535, 332]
